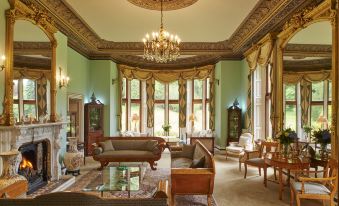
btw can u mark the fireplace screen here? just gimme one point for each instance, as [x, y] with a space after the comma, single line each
[34, 165]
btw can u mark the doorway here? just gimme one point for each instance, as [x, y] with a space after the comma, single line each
[75, 113]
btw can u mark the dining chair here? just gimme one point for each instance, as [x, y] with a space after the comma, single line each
[259, 158]
[323, 188]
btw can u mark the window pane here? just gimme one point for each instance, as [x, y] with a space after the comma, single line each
[123, 117]
[16, 112]
[197, 89]
[123, 94]
[329, 115]
[135, 112]
[198, 115]
[207, 116]
[28, 89]
[29, 110]
[290, 92]
[174, 119]
[208, 88]
[329, 90]
[316, 112]
[173, 92]
[159, 91]
[318, 91]
[15, 89]
[159, 119]
[291, 117]
[135, 89]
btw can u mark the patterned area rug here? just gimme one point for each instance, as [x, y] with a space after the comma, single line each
[147, 188]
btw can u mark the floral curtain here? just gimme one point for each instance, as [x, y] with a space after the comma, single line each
[182, 102]
[150, 89]
[42, 95]
[212, 103]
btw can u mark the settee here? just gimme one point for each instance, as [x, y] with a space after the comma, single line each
[192, 171]
[131, 149]
[159, 198]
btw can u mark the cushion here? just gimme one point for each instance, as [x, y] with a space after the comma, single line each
[130, 144]
[202, 133]
[198, 163]
[234, 149]
[106, 145]
[97, 150]
[209, 133]
[245, 140]
[312, 188]
[152, 146]
[133, 154]
[256, 161]
[187, 151]
[181, 162]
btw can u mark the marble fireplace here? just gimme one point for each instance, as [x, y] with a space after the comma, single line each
[39, 146]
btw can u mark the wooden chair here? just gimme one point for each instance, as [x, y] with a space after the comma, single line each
[259, 158]
[323, 188]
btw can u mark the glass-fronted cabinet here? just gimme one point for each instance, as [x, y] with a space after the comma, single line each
[94, 130]
[234, 124]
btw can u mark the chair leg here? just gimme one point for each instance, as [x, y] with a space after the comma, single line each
[172, 199]
[265, 176]
[245, 171]
[209, 200]
[292, 197]
[298, 200]
[275, 173]
[259, 171]
[226, 155]
[332, 202]
[324, 203]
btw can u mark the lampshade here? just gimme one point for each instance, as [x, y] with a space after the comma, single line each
[135, 117]
[322, 119]
[192, 117]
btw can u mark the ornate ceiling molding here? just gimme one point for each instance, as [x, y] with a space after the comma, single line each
[267, 16]
[168, 5]
[32, 62]
[308, 50]
[33, 48]
[308, 65]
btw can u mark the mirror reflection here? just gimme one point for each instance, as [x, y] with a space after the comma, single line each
[307, 79]
[32, 72]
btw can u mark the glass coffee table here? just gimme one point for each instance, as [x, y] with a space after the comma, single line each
[117, 178]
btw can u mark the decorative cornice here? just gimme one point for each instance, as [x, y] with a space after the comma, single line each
[168, 5]
[308, 65]
[32, 48]
[32, 62]
[266, 16]
[308, 50]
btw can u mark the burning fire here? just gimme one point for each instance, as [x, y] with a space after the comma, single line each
[26, 164]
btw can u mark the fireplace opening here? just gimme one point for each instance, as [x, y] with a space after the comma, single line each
[33, 165]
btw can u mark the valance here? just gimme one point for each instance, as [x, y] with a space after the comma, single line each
[31, 74]
[166, 76]
[296, 77]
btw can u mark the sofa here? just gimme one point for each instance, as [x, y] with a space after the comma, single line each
[128, 133]
[159, 198]
[192, 172]
[132, 149]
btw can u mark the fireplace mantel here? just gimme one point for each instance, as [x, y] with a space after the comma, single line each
[12, 137]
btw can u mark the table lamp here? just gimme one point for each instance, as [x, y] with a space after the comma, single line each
[192, 118]
[135, 119]
[322, 121]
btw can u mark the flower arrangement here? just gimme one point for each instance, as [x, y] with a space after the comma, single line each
[287, 136]
[166, 128]
[322, 136]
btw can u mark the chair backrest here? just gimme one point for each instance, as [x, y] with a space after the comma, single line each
[268, 147]
[331, 170]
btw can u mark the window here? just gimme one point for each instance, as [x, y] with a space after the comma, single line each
[24, 97]
[291, 106]
[329, 104]
[173, 107]
[159, 108]
[201, 95]
[317, 103]
[131, 105]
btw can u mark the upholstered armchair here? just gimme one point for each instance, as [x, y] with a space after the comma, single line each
[323, 188]
[237, 149]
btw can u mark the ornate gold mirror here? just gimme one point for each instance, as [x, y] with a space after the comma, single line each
[307, 64]
[30, 89]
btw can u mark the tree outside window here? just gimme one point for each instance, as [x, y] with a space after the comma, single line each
[291, 106]
[25, 98]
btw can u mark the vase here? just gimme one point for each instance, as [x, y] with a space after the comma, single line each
[286, 150]
[73, 157]
[323, 151]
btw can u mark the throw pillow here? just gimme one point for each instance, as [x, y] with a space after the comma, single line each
[188, 150]
[106, 145]
[198, 163]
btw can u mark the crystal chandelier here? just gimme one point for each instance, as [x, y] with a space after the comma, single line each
[163, 46]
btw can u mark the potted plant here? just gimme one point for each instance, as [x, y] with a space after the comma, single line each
[166, 128]
[307, 131]
[322, 137]
[285, 138]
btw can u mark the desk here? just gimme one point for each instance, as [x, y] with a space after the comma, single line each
[280, 162]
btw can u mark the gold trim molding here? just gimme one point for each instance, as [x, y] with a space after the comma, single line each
[168, 5]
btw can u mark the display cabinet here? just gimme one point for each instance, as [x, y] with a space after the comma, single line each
[94, 128]
[234, 124]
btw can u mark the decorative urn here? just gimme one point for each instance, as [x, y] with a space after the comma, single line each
[73, 157]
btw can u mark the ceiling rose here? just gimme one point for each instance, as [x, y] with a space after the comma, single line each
[167, 4]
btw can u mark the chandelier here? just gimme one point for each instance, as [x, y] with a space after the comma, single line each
[162, 47]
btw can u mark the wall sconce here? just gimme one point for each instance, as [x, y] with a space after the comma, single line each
[216, 81]
[2, 66]
[63, 80]
[113, 81]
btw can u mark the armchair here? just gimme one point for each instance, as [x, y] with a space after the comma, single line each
[323, 188]
[237, 149]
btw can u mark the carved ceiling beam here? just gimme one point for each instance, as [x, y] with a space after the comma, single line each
[32, 62]
[308, 65]
[33, 48]
[308, 50]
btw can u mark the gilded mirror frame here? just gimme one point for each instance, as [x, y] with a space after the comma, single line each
[28, 12]
[326, 11]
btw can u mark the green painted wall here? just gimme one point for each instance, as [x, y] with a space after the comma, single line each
[78, 68]
[3, 7]
[232, 85]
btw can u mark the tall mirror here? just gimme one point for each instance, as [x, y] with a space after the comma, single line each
[32, 72]
[307, 86]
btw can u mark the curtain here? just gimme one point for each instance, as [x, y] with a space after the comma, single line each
[182, 102]
[150, 89]
[120, 82]
[305, 91]
[31, 74]
[42, 96]
[296, 77]
[212, 103]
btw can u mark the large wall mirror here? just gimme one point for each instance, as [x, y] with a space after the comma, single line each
[30, 91]
[307, 86]
[31, 72]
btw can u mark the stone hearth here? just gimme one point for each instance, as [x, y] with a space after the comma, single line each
[13, 137]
